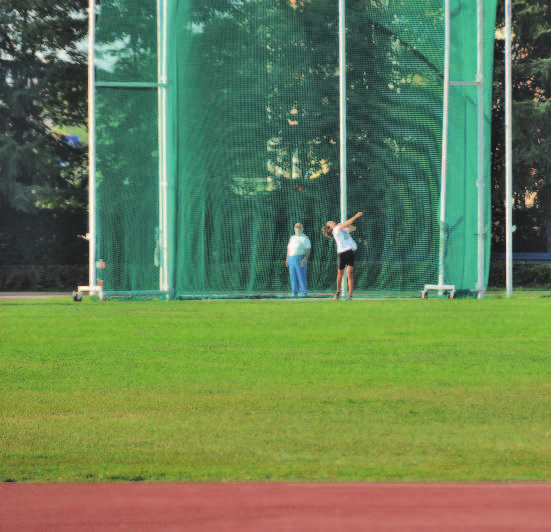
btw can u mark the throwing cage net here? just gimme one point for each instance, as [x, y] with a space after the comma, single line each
[219, 124]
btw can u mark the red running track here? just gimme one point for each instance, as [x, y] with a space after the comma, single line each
[270, 507]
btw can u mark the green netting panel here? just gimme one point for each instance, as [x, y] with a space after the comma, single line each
[394, 149]
[462, 205]
[253, 142]
[126, 41]
[258, 143]
[127, 162]
[127, 189]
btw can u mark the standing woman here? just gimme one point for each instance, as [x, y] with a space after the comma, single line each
[345, 251]
[298, 251]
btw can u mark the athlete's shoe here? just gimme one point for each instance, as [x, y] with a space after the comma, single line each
[348, 297]
[337, 295]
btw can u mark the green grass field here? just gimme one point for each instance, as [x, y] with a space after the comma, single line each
[395, 390]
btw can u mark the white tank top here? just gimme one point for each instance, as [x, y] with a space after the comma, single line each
[343, 239]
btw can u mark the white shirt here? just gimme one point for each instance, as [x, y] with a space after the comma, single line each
[343, 239]
[298, 244]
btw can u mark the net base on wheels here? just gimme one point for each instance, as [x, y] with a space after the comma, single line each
[92, 290]
[448, 289]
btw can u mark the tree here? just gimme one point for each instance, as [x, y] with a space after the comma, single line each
[43, 178]
[43, 80]
[531, 74]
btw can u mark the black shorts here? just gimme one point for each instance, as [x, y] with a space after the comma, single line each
[346, 258]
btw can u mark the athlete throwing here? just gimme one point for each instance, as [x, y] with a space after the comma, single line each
[345, 251]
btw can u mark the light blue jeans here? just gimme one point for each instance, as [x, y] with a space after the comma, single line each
[297, 273]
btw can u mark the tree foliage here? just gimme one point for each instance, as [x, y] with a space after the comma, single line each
[531, 78]
[43, 80]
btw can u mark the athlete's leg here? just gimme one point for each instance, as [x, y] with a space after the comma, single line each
[350, 275]
[340, 274]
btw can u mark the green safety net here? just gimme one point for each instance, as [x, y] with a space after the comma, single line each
[250, 130]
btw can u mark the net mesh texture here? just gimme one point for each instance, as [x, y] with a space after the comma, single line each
[252, 144]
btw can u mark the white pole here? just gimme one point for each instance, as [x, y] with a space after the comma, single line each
[162, 126]
[480, 125]
[508, 152]
[342, 114]
[443, 178]
[92, 143]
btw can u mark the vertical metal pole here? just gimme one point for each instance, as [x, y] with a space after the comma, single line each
[481, 289]
[162, 134]
[445, 121]
[342, 114]
[508, 152]
[92, 143]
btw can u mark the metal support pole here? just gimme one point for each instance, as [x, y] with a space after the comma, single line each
[441, 287]
[481, 185]
[91, 236]
[342, 114]
[163, 141]
[508, 152]
[445, 122]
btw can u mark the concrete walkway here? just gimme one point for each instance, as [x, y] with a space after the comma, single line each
[33, 295]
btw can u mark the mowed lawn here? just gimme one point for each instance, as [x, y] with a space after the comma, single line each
[368, 390]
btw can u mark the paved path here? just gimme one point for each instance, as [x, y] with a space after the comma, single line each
[33, 295]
